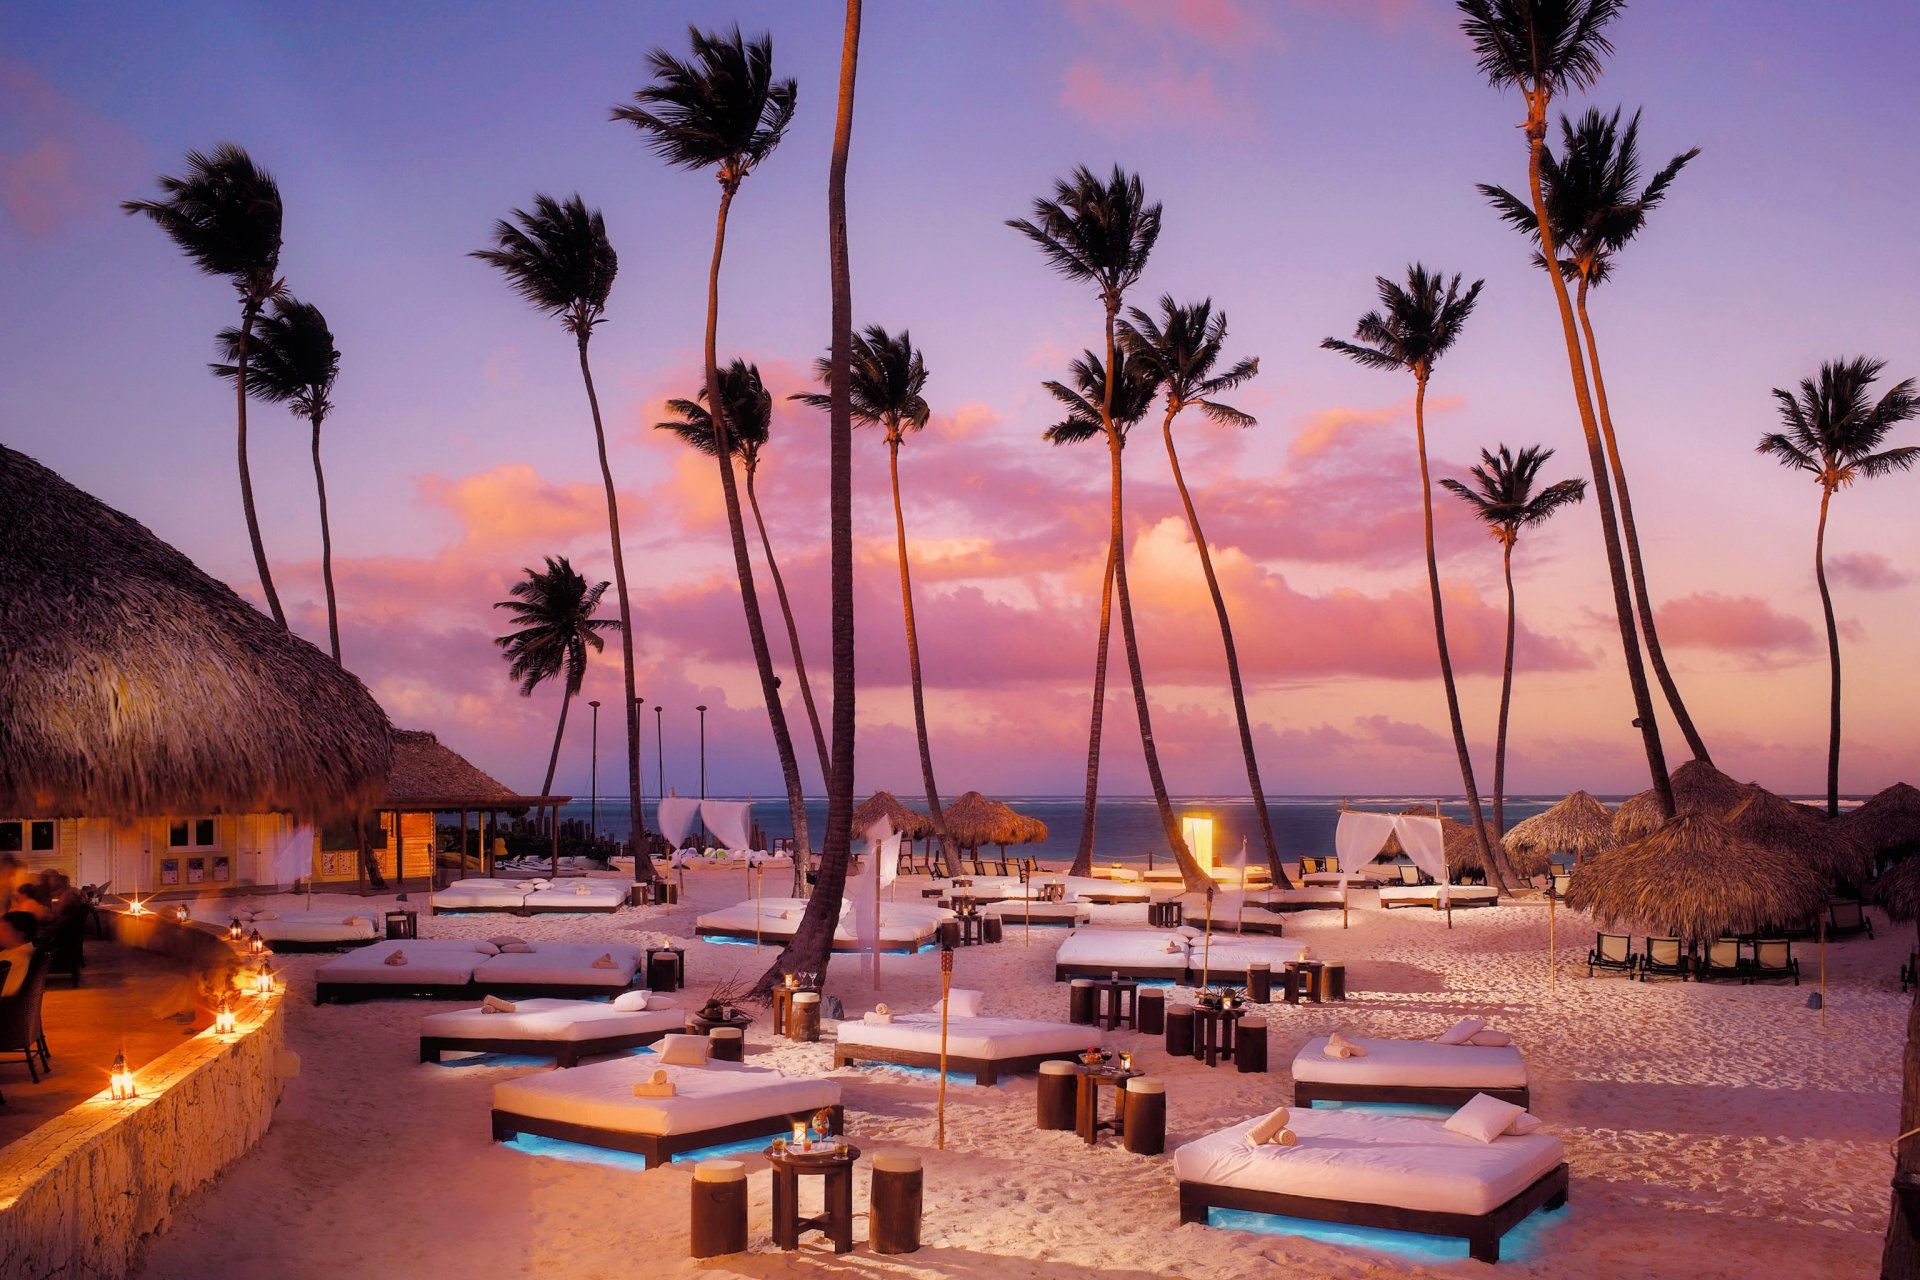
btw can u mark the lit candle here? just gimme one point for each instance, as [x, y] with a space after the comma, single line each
[800, 1135]
[234, 932]
[120, 1079]
[223, 1021]
[256, 943]
[263, 981]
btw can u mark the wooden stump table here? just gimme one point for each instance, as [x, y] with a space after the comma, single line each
[783, 1008]
[1115, 1001]
[1213, 1033]
[666, 968]
[1087, 1121]
[835, 1170]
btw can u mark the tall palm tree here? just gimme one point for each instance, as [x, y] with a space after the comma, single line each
[1419, 323]
[749, 414]
[225, 216]
[1544, 47]
[887, 383]
[724, 111]
[1182, 348]
[1596, 210]
[1833, 431]
[1101, 233]
[553, 611]
[557, 257]
[1505, 502]
[295, 363]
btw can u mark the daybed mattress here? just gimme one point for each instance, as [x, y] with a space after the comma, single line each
[1238, 950]
[1359, 879]
[1092, 887]
[1461, 893]
[778, 918]
[569, 963]
[469, 895]
[1416, 1063]
[430, 961]
[579, 895]
[967, 1037]
[600, 1096]
[1405, 1162]
[317, 926]
[1124, 948]
[551, 1020]
[1041, 912]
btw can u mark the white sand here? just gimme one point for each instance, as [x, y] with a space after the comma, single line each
[1712, 1130]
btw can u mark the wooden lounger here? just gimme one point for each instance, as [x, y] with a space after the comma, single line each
[657, 1148]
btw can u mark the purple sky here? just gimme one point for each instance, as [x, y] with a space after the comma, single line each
[1300, 149]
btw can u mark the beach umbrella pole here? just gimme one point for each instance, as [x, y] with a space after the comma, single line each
[1206, 949]
[946, 987]
[1552, 968]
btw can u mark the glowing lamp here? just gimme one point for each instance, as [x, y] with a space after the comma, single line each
[136, 908]
[1197, 830]
[235, 933]
[256, 944]
[120, 1080]
[224, 1021]
[181, 913]
[800, 1135]
[263, 981]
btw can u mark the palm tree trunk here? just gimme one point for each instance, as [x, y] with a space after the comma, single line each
[793, 634]
[326, 546]
[1487, 856]
[1506, 703]
[812, 945]
[1233, 659]
[1900, 1256]
[247, 314]
[1083, 856]
[636, 815]
[947, 853]
[1635, 567]
[560, 731]
[1644, 718]
[1833, 655]
[742, 562]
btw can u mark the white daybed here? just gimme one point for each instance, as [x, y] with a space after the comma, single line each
[1016, 914]
[1402, 1173]
[481, 893]
[333, 930]
[716, 1103]
[1098, 889]
[580, 894]
[904, 926]
[565, 1030]
[1133, 953]
[1428, 895]
[559, 969]
[434, 967]
[1409, 1071]
[984, 1046]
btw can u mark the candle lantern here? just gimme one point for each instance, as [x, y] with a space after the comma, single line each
[235, 933]
[136, 908]
[799, 1135]
[256, 944]
[223, 1021]
[263, 981]
[120, 1079]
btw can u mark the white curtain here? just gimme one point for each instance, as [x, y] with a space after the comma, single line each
[866, 909]
[676, 816]
[730, 821]
[293, 856]
[1358, 840]
[1426, 845]
[889, 860]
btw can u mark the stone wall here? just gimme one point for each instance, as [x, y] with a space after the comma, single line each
[79, 1194]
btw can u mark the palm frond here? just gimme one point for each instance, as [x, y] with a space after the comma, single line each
[224, 213]
[1094, 230]
[1551, 44]
[291, 358]
[722, 108]
[557, 257]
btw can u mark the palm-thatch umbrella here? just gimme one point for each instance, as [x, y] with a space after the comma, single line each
[1898, 891]
[1887, 827]
[1698, 787]
[1579, 825]
[1805, 832]
[132, 684]
[974, 820]
[910, 823]
[1695, 879]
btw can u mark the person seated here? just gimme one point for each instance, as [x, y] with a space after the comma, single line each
[17, 932]
[31, 899]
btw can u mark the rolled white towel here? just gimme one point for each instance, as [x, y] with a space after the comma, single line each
[494, 1004]
[605, 962]
[1338, 1046]
[876, 1018]
[656, 1085]
[396, 958]
[1267, 1126]
[1490, 1039]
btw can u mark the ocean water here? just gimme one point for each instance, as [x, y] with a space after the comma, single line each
[1126, 828]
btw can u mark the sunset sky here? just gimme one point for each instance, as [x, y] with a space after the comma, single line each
[1300, 149]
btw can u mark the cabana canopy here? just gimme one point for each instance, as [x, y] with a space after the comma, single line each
[1579, 825]
[1693, 878]
[1804, 832]
[133, 684]
[1898, 891]
[1698, 787]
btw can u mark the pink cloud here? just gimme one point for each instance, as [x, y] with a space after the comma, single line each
[1128, 101]
[1868, 571]
[1235, 27]
[61, 159]
[513, 508]
[1744, 625]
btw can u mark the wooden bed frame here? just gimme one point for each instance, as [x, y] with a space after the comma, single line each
[524, 912]
[347, 992]
[985, 1071]
[1062, 972]
[1482, 1231]
[1462, 904]
[658, 1148]
[770, 939]
[1308, 1092]
[566, 1052]
[314, 946]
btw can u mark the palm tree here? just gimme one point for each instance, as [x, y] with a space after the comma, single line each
[295, 364]
[749, 414]
[723, 110]
[559, 259]
[1182, 348]
[1833, 432]
[1506, 504]
[888, 378]
[1101, 233]
[1595, 210]
[554, 613]
[1543, 47]
[1419, 324]
[225, 216]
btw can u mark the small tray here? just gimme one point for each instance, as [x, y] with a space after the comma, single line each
[819, 1154]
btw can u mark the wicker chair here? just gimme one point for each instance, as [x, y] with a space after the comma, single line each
[1665, 957]
[1773, 958]
[1613, 951]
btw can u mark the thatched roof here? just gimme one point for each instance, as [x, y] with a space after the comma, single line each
[1698, 787]
[1579, 825]
[1887, 823]
[132, 684]
[1693, 878]
[974, 820]
[910, 823]
[1805, 832]
[1898, 890]
[1461, 846]
[429, 775]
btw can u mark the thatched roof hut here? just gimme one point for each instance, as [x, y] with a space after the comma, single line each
[1698, 787]
[1693, 878]
[974, 820]
[1898, 890]
[1579, 825]
[1888, 825]
[428, 775]
[910, 823]
[132, 684]
[1805, 832]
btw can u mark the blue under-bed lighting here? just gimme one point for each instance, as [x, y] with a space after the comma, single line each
[1526, 1242]
[533, 1145]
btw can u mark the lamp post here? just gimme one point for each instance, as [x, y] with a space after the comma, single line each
[660, 750]
[593, 809]
[702, 709]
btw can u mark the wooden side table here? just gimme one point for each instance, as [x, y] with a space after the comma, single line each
[836, 1217]
[972, 932]
[666, 968]
[1087, 1122]
[1116, 1001]
[1213, 1033]
[1303, 979]
[699, 1026]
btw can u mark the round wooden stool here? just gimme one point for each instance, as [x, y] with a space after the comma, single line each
[719, 1216]
[1250, 1047]
[1057, 1096]
[803, 1019]
[1082, 1003]
[1180, 1031]
[1152, 1010]
[727, 1044]
[893, 1224]
[1144, 1131]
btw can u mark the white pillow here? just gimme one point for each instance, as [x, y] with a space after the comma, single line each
[691, 1051]
[962, 1003]
[1188, 932]
[486, 948]
[1461, 1031]
[630, 1001]
[658, 1000]
[506, 940]
[1483, 1118]
[1525, 1122]
[1491, 1039]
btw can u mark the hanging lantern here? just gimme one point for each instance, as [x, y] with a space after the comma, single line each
[800, 1135]
[223, 1021]
[235, 931]
[120, 1080]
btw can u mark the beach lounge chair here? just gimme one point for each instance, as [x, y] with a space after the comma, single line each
[1665, 957]
[1411, 876]
[1845, 919]
[1312, 866]
[1721, 959]
[565, 1030]
[1613, 951]
[1400, 1173]
[1773, 958]
[984, 1046]
[1410, 1071]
